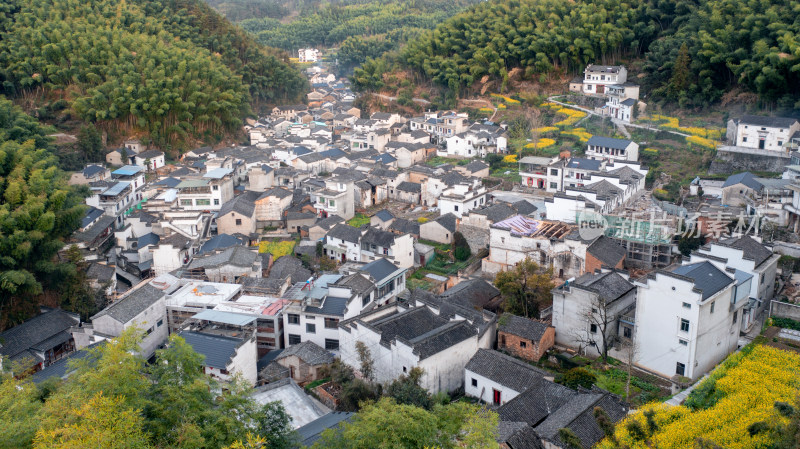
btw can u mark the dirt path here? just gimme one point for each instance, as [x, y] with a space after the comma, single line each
[415, 100]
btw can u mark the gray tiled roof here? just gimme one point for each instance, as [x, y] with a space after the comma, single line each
[289, 266]
[522, 327]
[379, 269]
[413, 187]
[505, 370]
[384, 215]
[751, 249]
[130, 306]
[608, 142]
[216, 349]
[536, 403]
[239, 256]
[101, 272]
[448, 221]
[518, 435]
[220, 241]
[345, 232]
[609, 285]
[496, 212]
[443, 338]
[607, 251]
[746, 178]
[471, 293]
[243, 204]
[404, 226]
[311, 432]
[378, 237]
[36, 330]
[100, 226]
[707, 278]
[578, 416]
[331, 305]
[358, 283]
[772, 122]
[308, 352]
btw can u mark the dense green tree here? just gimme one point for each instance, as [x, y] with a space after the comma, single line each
[525, 287]
[461, 249]
[388, 424]
[406, 389]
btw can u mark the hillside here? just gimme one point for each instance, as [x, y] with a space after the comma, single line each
[729, 46]
[363, 29]
[170, 70]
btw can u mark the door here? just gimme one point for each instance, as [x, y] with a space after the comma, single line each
[761, 143]
[540, 183]
[496, 397]
[344, 258]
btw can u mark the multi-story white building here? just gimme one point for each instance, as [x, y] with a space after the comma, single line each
[337, 198]
[687, 318]
[308, 55]
[763, 133]
[597, 78]
[208, 192]
[750, 256]
[441, 124]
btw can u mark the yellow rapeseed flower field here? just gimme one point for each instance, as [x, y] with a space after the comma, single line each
[748, 388]
[580, 133]
[511, 158]
[572, 116]
[702, 141]
[542, 143]
[545, 129]
[277, 249]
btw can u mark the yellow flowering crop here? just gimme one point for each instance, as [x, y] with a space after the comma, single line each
[501, 106]
[277, 249]
[580, 133]
[572, 116]
[508, 100]
[551, 105]
[545, 129]
[650, 151]
[702, 141]
[748, 387]
[673, 123]
[486, 110]
[542, 143]
[511, 158]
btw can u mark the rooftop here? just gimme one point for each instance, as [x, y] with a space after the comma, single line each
[706, 277]
[216, 350]
[505, 370]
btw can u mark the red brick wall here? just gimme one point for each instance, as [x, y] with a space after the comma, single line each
[533, 350]
[592, 263]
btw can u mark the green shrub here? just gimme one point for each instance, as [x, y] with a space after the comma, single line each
[578, 377]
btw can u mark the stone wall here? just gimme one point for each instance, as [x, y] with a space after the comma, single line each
[729, 161]
[784, 310]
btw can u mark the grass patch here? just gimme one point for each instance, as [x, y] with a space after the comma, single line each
[358, 220]
[317, 383]
[438, 160]
[446, 247]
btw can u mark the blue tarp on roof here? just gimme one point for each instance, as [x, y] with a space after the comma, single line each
[235, 319]
[117, 188]
[128, 170]
[218, 173]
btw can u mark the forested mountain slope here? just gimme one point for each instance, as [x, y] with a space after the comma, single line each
[363, 28]
[172, 70]
[751, 45]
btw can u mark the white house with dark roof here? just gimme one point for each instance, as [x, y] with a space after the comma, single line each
[224, 356]
[597, 78]
[143, 306]
[225, 266]
[441, 229]
[584, 306]
[423, 332]
[746, 254]
[688, 318]
[496, 378]
[771, 134]
[605, 148]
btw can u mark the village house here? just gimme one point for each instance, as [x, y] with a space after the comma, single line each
[238, 216]
[208, 192]
[771, 134]
[496, 378]
[271, 205]
[226, 266]
[597, 78]
[547, 243]
[606, 148]
[225, 356]
[423, 332]
[337, 198]
[524, 338]
[440, 125]
[305, 361]
[687, 318]
[91, 173]
[150, 160]
[593, 304]
[441, 229]
[38, 342]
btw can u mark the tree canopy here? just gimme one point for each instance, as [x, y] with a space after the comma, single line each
[172, 69]
[114, 400]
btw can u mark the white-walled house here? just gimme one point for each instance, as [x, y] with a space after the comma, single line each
[687, 318]
[584, 306]
[460, 198]
[750, 256]
[425, 332]
[597, 78]
[225, 356]
[605, 148]
[208, 192]
[496, 378]
[772, 134]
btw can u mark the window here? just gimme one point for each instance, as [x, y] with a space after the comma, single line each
[332, 323]
[553, 185]
[331, 344]
[186, 202]
[502, 341]
[780, 142]
[202, 202]
[311, 328]
[332, 203]
[474, 382]
[627, 332]
[683, 342]
[735, 316]
[160, 323]
[761, 280]
[455, 208]
[744, 139]
[215, 187]
[686, 305]
[680, 369]
[365, 300]
[385, 251]
[712, 306]
[523, 344]
[593, 328]
[684, 325]
[238, 222]
[496, 396]
[553, 172]
[294, 339]
[405, 370]
[293, 318]
[216, 202]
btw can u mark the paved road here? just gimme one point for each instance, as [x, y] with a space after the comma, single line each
[415, 100]
[615, 121]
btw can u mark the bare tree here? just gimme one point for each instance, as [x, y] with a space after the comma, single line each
[631, 352]
[367, 365]
[601, 318]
